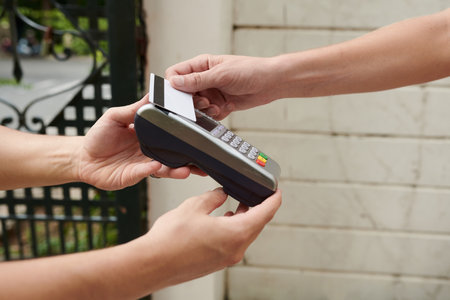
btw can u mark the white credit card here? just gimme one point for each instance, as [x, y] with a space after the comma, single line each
[161, 93]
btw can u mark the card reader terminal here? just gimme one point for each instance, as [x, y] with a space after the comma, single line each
[246, 173]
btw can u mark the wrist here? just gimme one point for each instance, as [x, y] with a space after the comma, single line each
[73, 148]
[152, 264]
[38, 160]
[289, 73]
[293, 75]
[310, 73]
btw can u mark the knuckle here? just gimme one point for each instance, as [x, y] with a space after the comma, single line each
[209, 60]
[111, 111]
[197, 79]
[235, 258]
[204, 56]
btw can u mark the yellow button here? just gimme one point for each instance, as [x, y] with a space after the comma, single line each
[262, 159]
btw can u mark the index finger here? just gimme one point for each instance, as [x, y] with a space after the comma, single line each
[197, 64]
[261, 214]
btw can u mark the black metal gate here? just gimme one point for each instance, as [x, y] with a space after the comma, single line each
[75, 217]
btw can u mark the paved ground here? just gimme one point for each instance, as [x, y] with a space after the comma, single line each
[42, 76]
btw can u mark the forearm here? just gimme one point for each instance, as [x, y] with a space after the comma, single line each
[408, 52]
[183, 244]
[128, 271]
[36, 160]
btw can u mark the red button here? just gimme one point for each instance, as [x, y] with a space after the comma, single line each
[261, 163]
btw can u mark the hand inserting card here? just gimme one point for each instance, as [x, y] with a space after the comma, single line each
[161, 93]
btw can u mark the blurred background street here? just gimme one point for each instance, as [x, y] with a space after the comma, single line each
[60, 76]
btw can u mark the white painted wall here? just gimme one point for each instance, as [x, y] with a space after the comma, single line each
[179, 30]
[366, 177]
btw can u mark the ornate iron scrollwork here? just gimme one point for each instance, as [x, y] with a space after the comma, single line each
[74, 217]
[11, 9]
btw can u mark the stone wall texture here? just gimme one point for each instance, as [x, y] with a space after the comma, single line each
[366, 177]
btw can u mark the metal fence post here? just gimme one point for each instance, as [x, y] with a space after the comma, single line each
[73, 217]
[124, 84]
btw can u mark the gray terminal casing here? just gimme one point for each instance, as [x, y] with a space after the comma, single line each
[177, 141]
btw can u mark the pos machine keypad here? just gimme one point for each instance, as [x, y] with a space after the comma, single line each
[244, 147]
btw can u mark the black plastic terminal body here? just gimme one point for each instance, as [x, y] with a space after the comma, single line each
[171, 151]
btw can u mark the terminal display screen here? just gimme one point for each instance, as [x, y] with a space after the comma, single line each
[204, 122]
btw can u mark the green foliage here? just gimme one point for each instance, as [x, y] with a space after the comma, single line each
[76, 238]
[13, 82]
[56, 19]
[78, 242]
[76, 235]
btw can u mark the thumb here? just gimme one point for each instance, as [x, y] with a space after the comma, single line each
[209, 201]
[193, 82]
[125, 114]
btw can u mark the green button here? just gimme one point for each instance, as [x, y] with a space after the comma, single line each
[263, 155]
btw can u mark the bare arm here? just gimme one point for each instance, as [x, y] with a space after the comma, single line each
[36, 160]
[184, 244]
[108, 157]
[408, 52]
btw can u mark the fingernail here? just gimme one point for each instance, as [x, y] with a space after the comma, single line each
[178, 81]
[202, 104]
[212, 111]
[219, 189]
